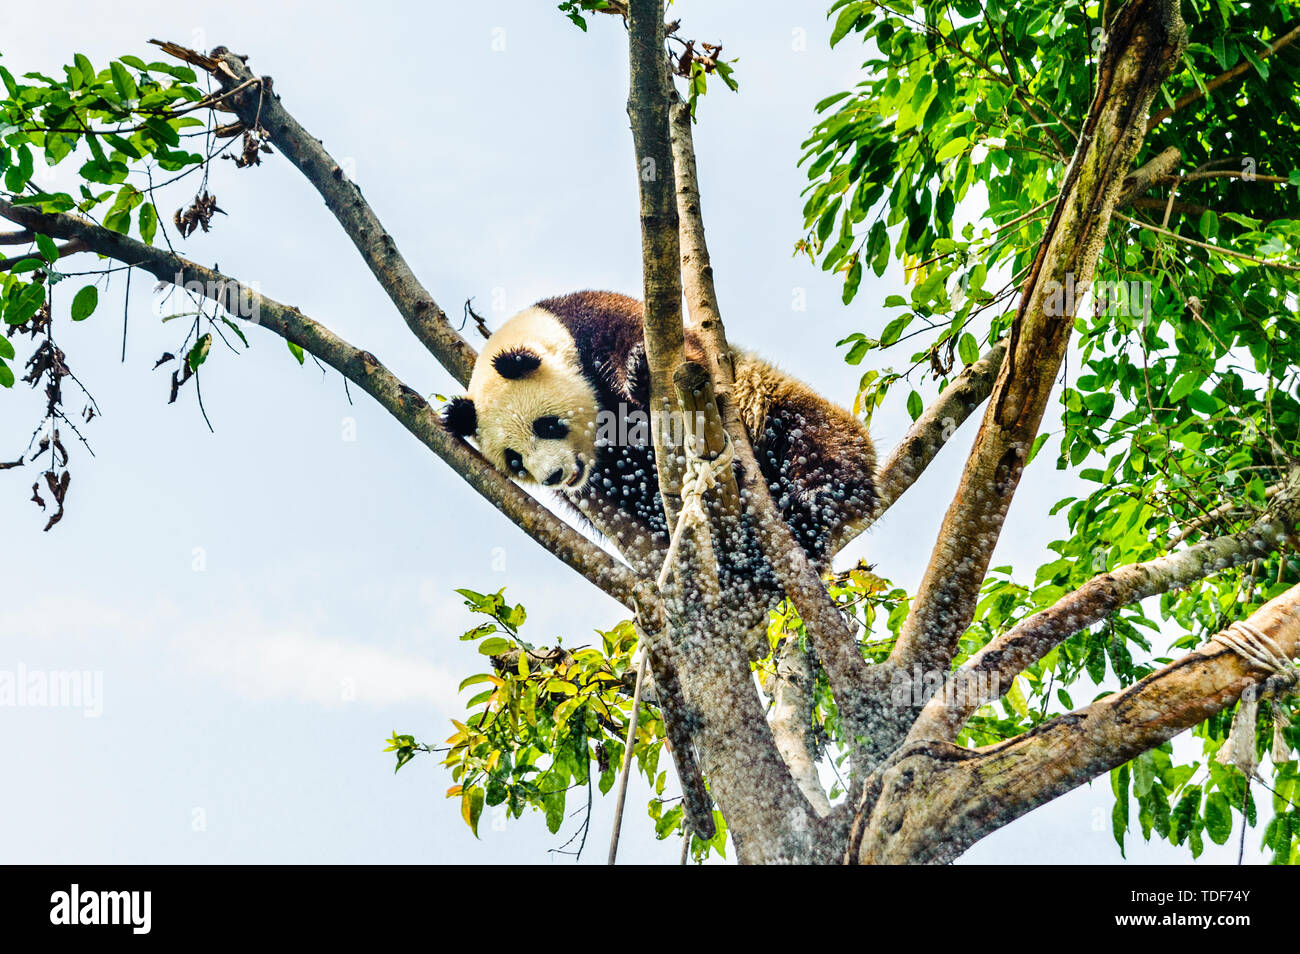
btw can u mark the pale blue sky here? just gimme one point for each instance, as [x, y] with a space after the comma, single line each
[491, 139]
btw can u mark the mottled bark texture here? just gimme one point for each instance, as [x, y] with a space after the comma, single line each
[826, 626]
[998, 663]
[734, 741]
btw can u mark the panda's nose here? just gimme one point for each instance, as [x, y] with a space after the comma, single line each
[555, 478]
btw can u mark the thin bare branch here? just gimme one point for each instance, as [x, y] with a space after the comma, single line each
[258, 107]
[928, 435]
[1218, 249]
[1225, 511]
[67, 248]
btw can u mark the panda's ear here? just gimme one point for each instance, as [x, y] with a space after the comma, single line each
[460, 417]
[517, 363]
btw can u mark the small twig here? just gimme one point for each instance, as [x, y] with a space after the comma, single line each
[1205, 245]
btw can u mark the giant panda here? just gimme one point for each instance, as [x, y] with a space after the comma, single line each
[559, 397]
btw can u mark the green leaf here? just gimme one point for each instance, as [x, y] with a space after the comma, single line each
[148, 222]
[915, 405]
[968, 349]
[952, 148]
[199, 352]
[6, 376]
[84, 302]
[471, 807]
[852, 281]
[122, 81]
[1218, 818]
[493, 646]
[1202, 402]
[848, 18]
[83, 65]
[296, 351]
[894, 330]
[49, 251]
[1253, 58]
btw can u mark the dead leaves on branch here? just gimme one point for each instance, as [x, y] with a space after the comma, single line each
[254, 145]
[58, 485]
[198, 215]
[708, 60]
[47, 359]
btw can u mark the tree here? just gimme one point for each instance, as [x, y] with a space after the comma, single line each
[953, 723]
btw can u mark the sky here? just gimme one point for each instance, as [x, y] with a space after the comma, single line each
[262, 606]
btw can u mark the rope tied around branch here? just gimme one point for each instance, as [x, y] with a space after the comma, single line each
[701, 476]
[1262, 652]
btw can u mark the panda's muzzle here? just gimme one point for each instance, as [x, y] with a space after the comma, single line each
[580, 474]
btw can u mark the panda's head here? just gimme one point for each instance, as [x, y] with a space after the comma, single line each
[530, 407]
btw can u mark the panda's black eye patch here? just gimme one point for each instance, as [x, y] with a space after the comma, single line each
[550, 428]
[515, 462]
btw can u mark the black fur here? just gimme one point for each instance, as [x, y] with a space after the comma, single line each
[460, 417]
[516, 363]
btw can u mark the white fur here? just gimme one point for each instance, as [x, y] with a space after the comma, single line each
[506, 409]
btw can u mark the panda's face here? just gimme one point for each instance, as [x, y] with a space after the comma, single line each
[530, 408]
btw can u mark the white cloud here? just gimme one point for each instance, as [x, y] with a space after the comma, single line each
[254, 656]
[288, 664]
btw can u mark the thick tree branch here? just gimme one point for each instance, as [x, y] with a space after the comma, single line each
[258, 106]
[935, 799]
[1148, 174]
[928, 435]
[987, 674]
[363, 369]
[1145, 39]
[831, 637]
[737, 751]
[647, 108]
[792, 708]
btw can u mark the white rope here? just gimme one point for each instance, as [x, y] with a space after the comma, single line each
[1262, 652]
[701, 476]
